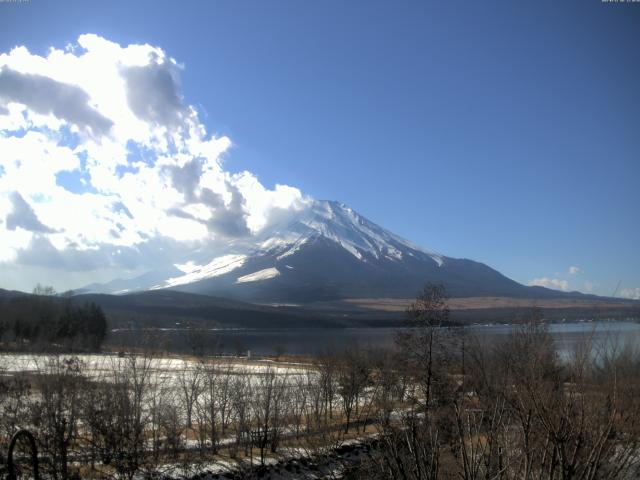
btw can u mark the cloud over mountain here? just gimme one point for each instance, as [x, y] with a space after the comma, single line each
[555, 283]
[104, 163]
[632, 293]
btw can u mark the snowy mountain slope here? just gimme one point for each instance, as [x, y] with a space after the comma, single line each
[324, 252]
[337, 222]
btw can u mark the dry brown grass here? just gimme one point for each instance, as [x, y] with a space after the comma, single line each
[479, 303]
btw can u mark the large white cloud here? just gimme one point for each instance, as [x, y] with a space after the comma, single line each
[104, 167]
[554, 283]
[632, 293]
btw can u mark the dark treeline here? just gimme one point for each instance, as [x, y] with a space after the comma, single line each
[44, 321]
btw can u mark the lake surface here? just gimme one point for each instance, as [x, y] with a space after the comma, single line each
[314, 340]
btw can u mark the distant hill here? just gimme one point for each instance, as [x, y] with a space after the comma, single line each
[174, 309]
[5, 294]
[169, 309]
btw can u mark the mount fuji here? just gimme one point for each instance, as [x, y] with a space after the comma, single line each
[324, 252]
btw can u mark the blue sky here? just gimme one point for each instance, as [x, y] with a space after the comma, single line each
[507, 132]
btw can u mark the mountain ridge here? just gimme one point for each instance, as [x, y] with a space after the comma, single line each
[327, 251]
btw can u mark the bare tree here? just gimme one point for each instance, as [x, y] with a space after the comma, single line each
[58, 386]
[327, 366]
[411, 447]
[190, 384]
[543, 418]
[425, 341]
[387, 382]
[268, 404]
[298, 402]
[118, 416]
[353, 377]
[241, 393]
[210, 425]
[14, 406]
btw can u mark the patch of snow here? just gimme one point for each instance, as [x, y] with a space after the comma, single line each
[293, 248]
[394, 254]
[265, 274]
[218, 266]
[187, 267]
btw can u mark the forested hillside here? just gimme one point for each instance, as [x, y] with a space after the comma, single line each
[46, 322]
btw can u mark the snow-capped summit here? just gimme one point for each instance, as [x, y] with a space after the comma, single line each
[337, 222]
[325, 251]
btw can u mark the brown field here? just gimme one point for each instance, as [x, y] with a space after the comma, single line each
[479, 303]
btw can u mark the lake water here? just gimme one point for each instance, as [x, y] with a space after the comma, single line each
[314, 340]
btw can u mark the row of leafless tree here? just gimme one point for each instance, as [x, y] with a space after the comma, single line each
[130, 414]
[513, 409]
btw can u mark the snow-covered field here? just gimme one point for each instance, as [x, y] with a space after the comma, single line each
[166, 369]
[29, 362]
[167, 380]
